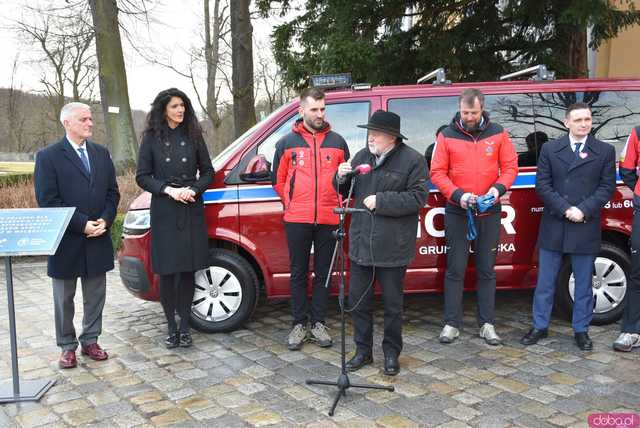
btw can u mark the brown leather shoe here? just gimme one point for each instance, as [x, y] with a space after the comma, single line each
[67, 360]
[95, 352]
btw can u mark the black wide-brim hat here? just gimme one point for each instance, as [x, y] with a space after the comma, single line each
[384, 121]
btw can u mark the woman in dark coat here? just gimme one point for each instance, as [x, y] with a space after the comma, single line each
[174, 166]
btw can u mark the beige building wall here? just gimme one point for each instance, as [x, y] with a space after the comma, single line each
[620, 57]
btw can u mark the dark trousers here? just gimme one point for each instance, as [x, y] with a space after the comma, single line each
[300, 237]
[390, 281]
[485, 248]
[94, 291]
[631, 316]
[176, 295]
[549, 263]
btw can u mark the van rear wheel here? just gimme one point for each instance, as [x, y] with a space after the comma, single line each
[610, 281]
[226, 293]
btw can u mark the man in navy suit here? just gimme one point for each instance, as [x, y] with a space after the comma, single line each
[75, 172]
[575, 179]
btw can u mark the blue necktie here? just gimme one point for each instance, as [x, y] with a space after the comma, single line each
[84, 159]
[577, 148]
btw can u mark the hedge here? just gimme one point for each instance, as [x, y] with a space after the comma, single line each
[11, 179]
[116, 231]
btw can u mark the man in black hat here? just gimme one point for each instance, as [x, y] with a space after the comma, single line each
[382, 240]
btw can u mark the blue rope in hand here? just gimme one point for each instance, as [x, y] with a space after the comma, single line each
[483, 203]
[472, 233]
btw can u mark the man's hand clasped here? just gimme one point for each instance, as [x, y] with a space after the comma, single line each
[470, 199]
[95, 228]
[467, 200]
[574, 214]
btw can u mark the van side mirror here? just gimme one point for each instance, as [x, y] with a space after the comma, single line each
[258, 169]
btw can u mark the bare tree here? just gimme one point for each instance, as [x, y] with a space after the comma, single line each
[244, 113]
[211, 55]
[213, 29]
[16, 120]
[68, 55]
[268, 80]
[113, 83]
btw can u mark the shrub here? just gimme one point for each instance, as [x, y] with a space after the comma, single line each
[129, 190]
[17, 178]
[18, 192]
[116, 231]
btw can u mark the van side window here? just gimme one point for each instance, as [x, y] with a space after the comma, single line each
[422, 117]
[268, 146]
[343, 118]
[515, 113]
[614, 114]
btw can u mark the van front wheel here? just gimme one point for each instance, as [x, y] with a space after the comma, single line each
[610, 280]
[226, 293]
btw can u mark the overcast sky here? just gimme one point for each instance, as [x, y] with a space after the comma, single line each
[175, 28]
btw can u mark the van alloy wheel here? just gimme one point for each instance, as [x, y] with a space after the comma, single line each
[609, 285]
[226, 293]
[217, 295]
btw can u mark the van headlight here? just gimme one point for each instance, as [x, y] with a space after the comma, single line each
[137, 222]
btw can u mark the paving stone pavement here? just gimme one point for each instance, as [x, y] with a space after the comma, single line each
[249, 378]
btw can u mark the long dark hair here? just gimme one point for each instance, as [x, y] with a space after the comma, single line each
[157, 122]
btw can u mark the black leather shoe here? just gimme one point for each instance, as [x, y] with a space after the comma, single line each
[583, 341]
[185, 340]
[358, 361]
[172, 341]
[391, 365]
[533, 336]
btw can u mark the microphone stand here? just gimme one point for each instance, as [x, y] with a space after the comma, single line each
[343, 383]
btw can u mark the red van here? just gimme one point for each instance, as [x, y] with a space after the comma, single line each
[248, 253]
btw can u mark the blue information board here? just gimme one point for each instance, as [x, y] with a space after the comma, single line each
[32, 231]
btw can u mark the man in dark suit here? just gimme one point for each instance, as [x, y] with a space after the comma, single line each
[75, 172]
[575, 179]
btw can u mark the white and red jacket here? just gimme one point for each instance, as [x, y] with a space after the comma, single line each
[464, 162]
[629, 164]
[303, 169]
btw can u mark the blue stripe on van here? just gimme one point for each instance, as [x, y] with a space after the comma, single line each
[266, 193]
[258, 193]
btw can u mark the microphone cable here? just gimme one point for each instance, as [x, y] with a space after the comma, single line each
[373, 263]
[371, 253]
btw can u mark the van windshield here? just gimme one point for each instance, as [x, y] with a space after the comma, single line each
[221, 160]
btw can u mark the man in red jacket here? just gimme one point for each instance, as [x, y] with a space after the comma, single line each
[304, 165]
[629, 337]
[473, 157]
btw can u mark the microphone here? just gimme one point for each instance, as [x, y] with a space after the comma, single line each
[361, 169]
[349, 210]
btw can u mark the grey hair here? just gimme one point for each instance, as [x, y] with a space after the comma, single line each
[67, 109]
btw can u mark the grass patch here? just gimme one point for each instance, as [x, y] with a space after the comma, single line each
[16, 167]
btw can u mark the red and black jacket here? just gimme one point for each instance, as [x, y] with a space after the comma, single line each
[629, 164]
[464, 162]
[304, 166]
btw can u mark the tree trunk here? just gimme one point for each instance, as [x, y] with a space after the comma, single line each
[211, 54]
[113, 84]
[244, 114]
[577, 54]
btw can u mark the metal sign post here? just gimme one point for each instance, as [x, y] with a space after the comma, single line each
[27, 232]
